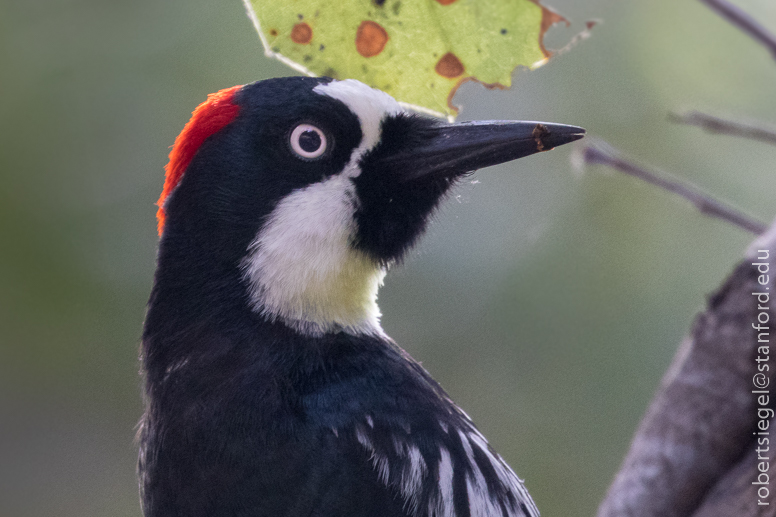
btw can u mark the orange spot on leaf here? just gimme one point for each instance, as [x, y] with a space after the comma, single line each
[370, 38]
[449, 66]
[302, 33]
[273, 32]
[445, 2]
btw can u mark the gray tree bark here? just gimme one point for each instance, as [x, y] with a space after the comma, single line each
[696, 452]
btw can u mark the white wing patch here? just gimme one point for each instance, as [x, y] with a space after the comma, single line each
[442, 504]
[402, 466]
[503, 472]
[379, 462]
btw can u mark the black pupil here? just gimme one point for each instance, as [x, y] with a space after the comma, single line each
[310, 141]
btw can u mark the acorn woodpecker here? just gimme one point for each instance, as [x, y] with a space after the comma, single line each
[270, 388]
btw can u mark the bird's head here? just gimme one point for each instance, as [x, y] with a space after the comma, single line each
[307, 189]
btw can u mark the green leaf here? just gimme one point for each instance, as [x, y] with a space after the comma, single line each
[419, 51]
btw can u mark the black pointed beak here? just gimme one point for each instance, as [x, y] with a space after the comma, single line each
[453, 149]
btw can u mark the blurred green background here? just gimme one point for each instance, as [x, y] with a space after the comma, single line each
[548, 303]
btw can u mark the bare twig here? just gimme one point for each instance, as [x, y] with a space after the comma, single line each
[718, 125]
[600, 153]
[745, 22]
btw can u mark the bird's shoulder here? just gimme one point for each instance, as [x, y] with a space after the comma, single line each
[420, 446]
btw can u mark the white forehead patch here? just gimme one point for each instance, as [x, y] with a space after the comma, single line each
[369, 105]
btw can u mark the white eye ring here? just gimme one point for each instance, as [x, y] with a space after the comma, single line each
[305, 138]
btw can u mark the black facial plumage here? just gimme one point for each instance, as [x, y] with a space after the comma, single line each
[393, 212]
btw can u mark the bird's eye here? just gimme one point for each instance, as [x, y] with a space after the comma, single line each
[307, 141]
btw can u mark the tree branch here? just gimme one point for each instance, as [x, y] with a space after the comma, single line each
[601, 153]
[745, 22]
[718, 125]
[695, 452]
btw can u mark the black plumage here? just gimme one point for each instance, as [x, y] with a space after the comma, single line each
[247, 415]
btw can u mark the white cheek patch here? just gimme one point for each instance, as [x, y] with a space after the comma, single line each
[303, 270]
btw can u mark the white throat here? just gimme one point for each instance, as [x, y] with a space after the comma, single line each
[301, 268]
